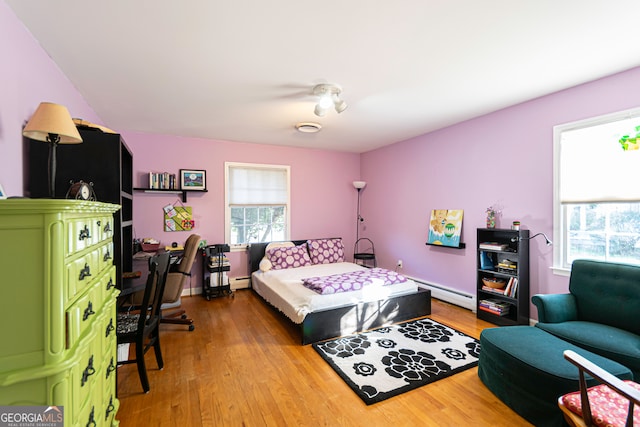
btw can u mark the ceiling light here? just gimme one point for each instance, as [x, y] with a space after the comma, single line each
[329, 96]
[308, 127]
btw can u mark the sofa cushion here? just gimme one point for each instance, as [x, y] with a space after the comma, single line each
[607, 293]
[607, 341]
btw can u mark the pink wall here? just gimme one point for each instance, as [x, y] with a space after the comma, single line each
[323, 200]
[504, 158]
[27, 77]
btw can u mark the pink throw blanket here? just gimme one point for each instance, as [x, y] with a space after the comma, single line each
[353, 281]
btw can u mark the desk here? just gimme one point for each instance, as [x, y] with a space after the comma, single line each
[141, 264]
[135, 284]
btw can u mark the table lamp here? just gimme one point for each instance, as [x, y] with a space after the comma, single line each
[52, 123]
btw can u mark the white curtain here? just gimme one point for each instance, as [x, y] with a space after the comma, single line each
[251, 185]
[593, 166]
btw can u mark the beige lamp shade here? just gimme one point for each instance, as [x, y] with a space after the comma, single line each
[359, 185]
[51, 118]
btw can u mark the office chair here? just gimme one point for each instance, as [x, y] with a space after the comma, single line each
[176, 280]
[604, 404]
[140, 325]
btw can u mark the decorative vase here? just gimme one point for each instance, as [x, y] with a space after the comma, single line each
[491, 219]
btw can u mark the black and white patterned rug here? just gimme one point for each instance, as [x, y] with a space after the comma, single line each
[388, 361]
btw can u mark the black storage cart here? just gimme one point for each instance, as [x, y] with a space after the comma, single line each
[213, 267]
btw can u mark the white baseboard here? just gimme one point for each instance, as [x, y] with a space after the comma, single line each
[239, 283]
[449, 295]
[235, 282]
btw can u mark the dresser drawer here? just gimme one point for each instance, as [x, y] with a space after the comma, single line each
[82, 314]
[81, 234]
[105, 257]
[81, 273]
[105, 226]
[87, 373]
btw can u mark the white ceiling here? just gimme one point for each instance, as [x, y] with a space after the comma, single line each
[243, 70]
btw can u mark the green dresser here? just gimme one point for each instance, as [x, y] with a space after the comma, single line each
[58, 308]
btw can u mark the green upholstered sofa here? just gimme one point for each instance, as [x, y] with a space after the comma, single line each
[601, 312]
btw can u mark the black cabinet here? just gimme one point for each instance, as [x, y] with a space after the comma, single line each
[102, 159]
[502, 277]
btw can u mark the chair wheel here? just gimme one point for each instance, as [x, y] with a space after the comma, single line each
[184, 316]
[191, 327]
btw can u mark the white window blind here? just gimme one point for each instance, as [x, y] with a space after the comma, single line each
[593, 166]
[251, 185]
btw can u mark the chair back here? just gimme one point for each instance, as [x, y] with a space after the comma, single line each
[177, 278]
[607, 293]
[153, 291]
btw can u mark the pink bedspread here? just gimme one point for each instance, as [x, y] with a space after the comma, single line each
[353, 281]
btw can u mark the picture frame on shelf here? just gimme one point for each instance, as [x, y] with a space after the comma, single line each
[193, 179]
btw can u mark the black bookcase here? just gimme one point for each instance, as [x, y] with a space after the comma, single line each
[102, 159]
[503, 255]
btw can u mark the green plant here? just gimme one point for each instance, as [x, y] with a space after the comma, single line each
[630, 143]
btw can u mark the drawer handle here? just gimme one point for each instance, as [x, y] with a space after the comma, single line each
[107, 227]
[85, 272]
[107, 256]
[109, 329]
[92, 420]
[84, 233]
[88, 371]
[88, 311]
[110, 284]
[111, 368]
[110, 409]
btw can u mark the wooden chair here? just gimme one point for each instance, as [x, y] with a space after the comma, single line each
[176, 280]
[140, 325]
[602, 404]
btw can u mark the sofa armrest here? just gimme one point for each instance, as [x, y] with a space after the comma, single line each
[555, 308]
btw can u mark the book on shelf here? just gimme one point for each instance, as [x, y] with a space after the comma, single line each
[486, 263]
[499, 291]
[162, 180]
[494, 306]
[494, 246]
[514, 288]
[495, 312]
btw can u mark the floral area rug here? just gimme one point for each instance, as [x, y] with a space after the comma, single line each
[388, 361]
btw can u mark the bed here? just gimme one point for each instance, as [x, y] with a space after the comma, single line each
[327, 316]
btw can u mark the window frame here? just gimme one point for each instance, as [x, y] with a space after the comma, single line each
[227, 208]
[560, 228]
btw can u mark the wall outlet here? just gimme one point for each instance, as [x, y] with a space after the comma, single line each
[399, 263]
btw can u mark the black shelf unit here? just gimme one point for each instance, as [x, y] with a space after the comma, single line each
[213, 263]
[102, 159]
[517, 251]
[170, 191]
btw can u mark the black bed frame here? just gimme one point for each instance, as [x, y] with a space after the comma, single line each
[331, 323]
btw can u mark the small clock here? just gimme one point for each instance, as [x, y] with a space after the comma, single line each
[81, 191]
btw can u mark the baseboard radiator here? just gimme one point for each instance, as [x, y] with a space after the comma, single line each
[449, 295]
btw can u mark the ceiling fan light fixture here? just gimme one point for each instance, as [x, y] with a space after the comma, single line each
[329, 95]
[308, 127]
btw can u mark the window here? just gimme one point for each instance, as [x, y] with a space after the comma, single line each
[257, 203]
[597, 190]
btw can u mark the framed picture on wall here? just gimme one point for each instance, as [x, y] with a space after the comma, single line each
[191, 179]
[2, 193]
[445, 227]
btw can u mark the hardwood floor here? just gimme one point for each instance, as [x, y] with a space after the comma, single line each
[244, 366]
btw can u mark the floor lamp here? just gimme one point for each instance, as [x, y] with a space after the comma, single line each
[52, 123]
[359, 185]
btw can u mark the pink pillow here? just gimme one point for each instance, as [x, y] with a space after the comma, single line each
[291, 257]
[326, 251]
